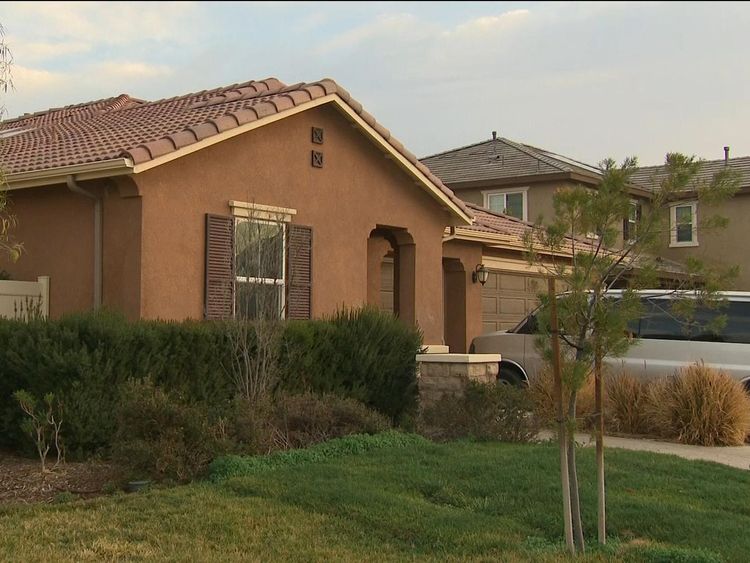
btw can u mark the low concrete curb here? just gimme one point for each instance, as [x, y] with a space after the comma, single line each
[735, 456]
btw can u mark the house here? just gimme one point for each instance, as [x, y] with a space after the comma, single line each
[136, 206]
[516, 182]
[688, 238]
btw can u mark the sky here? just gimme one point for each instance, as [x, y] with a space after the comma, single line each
[586, 80]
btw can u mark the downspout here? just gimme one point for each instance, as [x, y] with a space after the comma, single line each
[74, 187]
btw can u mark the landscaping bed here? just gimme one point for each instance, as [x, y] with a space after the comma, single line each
[21, 481]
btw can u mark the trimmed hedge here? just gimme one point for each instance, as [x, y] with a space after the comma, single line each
[84, 359]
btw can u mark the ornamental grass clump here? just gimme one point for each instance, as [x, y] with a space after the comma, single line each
[701, 406]
[626, 404]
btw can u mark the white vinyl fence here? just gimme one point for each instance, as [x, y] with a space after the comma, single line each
[24, 299]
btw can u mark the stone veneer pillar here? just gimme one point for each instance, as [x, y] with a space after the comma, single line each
[442, 374]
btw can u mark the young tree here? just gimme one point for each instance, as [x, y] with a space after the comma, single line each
[589, 257]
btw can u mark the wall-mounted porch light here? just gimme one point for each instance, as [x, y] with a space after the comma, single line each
[480, 274]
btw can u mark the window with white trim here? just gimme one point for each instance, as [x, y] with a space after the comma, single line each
[630, 224]
[510, 202]
[260, 268]
[684, 224]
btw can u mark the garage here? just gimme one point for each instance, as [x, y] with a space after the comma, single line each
[508, 297]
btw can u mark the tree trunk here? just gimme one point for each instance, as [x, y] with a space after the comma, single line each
[562, 434]
[575, 501]
[601, 491]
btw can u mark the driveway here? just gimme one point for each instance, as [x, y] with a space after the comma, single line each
[734, 456]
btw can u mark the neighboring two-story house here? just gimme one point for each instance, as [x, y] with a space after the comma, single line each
[688, 238]
[518, 181]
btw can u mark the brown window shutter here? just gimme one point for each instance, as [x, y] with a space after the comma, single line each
[219, 303]
[299, 273]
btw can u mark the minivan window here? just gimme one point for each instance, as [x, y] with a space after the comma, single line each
[736, 327]
[659, 322]
[527, 326]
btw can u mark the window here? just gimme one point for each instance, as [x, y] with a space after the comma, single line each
[260, 265]
[658, 321]
[510, 202]
[684, 225]
[630, 224]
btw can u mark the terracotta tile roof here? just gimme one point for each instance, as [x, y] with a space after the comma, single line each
[650, 177]
[125, 127]
[489, 221]
[500, 159]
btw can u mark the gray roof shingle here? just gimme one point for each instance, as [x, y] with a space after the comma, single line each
[650, 177]
[501, 159]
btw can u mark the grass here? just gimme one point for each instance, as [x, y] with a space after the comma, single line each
[457, 501]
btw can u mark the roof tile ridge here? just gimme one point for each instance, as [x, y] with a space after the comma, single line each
[555, 154]
[532, 153]
[60, 108]
[211, 91]
[456, 149]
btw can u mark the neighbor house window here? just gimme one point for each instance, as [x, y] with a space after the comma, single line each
[260, 266]
[630, 225]
[684, 225]
[510, 202]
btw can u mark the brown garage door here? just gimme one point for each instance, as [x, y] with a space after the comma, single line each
[508, 297]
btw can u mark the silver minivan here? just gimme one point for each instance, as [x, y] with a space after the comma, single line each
[663, 344]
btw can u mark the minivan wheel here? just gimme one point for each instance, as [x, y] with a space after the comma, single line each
[510, 375]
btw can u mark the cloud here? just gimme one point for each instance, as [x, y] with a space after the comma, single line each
[39, 51]
[34, 79]
[491, 24]
[129, 70]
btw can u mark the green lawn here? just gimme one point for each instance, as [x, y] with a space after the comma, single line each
[459, 501]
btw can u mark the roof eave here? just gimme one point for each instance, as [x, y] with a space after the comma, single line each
[58, 175]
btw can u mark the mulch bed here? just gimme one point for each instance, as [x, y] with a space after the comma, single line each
[21, 480]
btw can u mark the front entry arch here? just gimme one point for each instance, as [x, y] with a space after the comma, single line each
[454, 304]
[396, 245]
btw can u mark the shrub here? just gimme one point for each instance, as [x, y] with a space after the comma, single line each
[483, 412]
[290, 421]
[542, 392]
[161, 436]
[235, 466]
[303, 420]
[84, 359]
[701, 406]
[626, 404]
[364, 354]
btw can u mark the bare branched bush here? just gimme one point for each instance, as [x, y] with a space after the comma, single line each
[44, 424]
[701, 406]
[255, 336]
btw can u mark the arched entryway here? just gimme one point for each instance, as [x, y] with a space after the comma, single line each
[454, 304]
[391, 282]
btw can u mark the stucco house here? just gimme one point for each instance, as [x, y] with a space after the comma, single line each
[688, 238]
[516, 182]
[134, 206]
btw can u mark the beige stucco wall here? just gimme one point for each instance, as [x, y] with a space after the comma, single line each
[539, 196]
[459, 336]
[724, 247]
[357, 189]
[56, 229]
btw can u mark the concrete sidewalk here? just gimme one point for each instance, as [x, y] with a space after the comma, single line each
[735, 456]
